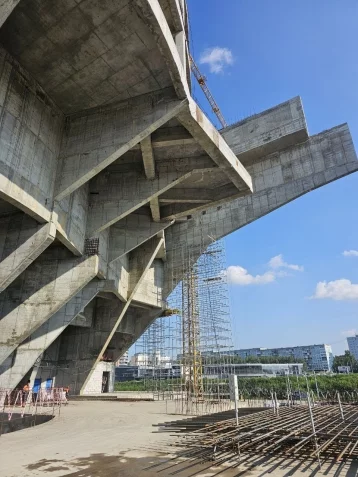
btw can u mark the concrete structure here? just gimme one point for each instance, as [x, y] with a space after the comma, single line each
[318, 357]
[107, 164]
[101, 380]
[352, 342]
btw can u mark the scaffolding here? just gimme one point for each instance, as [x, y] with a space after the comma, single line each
[185, 358]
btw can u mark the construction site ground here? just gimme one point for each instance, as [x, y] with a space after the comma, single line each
[105, 439]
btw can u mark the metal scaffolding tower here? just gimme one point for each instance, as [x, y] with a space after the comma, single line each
[191, 356]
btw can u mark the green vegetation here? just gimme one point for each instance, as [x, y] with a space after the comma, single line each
[147, 385]
[259, 387]
[346, 359]
[325, 384]
[255, 359]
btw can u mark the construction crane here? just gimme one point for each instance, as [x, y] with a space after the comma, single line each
[202, 82]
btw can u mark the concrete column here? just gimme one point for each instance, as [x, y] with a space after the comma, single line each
[83, 348]
[22, 240]
[25, 356]
[42, 290]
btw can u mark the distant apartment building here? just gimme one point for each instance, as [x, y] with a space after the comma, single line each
[123, 360]
[353, 345]
[150, 360]
[319, 357]
[131, 373]
[250, 370]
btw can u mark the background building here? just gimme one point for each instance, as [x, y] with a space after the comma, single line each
[319, 357]
[353, 345]
[150, 360]
[253, 369]
[123, 360]
[132, 373]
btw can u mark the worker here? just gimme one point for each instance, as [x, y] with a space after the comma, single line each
[25, 393]
[67, 390]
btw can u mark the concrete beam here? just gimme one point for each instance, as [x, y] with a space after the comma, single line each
[278, 179]
[180, 195]
[39, 293]
[148, 157]
[152, 14]
[134, 327]
[131, 232]
[271, 131]
[177, 17]
[194, 120]
[22, 240]
[26, 355]
[179, 211]
[155, 209]
[98, 137]
[6, 7]
[118, 194]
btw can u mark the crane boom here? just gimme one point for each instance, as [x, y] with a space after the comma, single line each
[202, 82]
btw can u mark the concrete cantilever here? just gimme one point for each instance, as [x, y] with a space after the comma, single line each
[209, 138]
[108, 168]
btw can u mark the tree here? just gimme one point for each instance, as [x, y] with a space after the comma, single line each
[346, 359]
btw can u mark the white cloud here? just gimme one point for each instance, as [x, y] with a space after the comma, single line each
[278, 262]
[350, 253]
[347, 333]
[217, 58]
[239, 276]
[342, 289]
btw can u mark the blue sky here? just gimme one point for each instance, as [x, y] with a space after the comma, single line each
[276, 50]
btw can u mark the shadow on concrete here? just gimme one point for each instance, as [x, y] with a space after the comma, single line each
[19, 422]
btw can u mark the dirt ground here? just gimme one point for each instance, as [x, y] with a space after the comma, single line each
[117, 439]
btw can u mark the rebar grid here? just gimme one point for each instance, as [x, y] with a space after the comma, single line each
[288, 433]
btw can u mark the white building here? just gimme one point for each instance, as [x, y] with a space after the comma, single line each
[319, 357]
[353, 345]
[150, 360]
[123, 360]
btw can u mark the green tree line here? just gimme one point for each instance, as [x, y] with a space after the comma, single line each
[251, 388]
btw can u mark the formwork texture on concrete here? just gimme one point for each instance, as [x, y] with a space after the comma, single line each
[107, 165]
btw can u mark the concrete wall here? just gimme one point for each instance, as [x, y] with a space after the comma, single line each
[95, 383]
[30, 140]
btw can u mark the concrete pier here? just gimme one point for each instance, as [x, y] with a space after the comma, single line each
[107, 165]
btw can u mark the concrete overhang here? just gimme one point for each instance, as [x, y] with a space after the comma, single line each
[203, 131]
[152, 14]
[270, 131]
